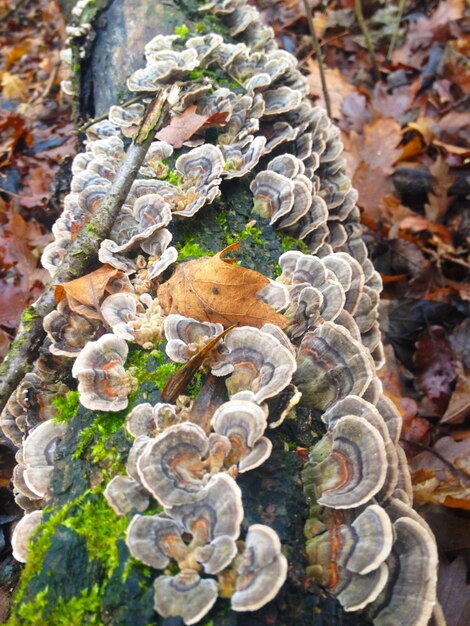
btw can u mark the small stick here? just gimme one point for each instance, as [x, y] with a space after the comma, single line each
[100, 118]
[316, 47]
[394, 38]
[365, 31]
[83, 251]
[458, 473]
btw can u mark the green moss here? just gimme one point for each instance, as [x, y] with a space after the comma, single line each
[84, 609]
[291, 243]
[250, 233]
[191, 249]
[182, 30]
[41, 542]
[66, 406]
[173, 178]
[101, 528]
[163, 373]
[199, 28]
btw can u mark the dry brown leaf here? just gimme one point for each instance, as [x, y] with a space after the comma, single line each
[338, 87]
[213, 289]
[373, 185]
[424, 126]
[182, 127]
[13, 87]
[84, 294]
[439, 199]
[443, 479]
[459, 405]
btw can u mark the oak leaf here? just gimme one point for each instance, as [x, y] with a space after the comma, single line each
[214, 289]
[84, 294]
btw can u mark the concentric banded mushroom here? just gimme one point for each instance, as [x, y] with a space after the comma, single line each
[262, 366]
[348, 466]
[409, 597]
[125, 495]
[103, 382]
[330, 366]
[22, 533]
[185, 595]
[38, 455]
[171, 467]
[243, 423]
[262, 569]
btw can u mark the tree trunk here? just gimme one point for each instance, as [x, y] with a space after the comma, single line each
[81, 571]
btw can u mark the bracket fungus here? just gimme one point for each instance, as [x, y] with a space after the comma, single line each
[331, 365]
[261, 367]
[38, 455]
[22, 533]
[186, 595]
[262, 569]
[103, 383]
[348, 466]
[364, 542]
[243, 423]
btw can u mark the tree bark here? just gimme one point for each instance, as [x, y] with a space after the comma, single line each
[70, 571]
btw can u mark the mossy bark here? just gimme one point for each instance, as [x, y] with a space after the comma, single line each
[80, 571]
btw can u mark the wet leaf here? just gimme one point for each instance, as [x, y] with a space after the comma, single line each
[182, 127]
[84, 294]
[214, 289]
[459, 405]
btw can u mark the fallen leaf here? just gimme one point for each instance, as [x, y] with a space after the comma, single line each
[182, 127]
[13, 87]
[439, 199]
[355, 112]
[373, 184]
[84, 294]
[380, 146]
[414, 147]
[338, 87]
[459, 405]
[213, 289]
[453, 592]
[424, 126]
[14, 133]
[418, 224]
[444, 477]
[434, 370]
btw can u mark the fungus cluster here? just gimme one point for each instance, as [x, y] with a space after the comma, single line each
[365, 544]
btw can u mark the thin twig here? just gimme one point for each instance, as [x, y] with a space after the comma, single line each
[394, 38]
[81, 254]
[105, 116]
[316, 47]
[365, 31]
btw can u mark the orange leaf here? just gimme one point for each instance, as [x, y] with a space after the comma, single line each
[213, 289]
[182, 127]
[84, 294]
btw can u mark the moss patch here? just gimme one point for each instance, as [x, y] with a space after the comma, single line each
[66, 406]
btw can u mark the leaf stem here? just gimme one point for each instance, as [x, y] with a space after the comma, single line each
[316, 47]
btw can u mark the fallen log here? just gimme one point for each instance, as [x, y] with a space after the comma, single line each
[83, 565]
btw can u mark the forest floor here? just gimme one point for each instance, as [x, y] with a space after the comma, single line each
[401, 102]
